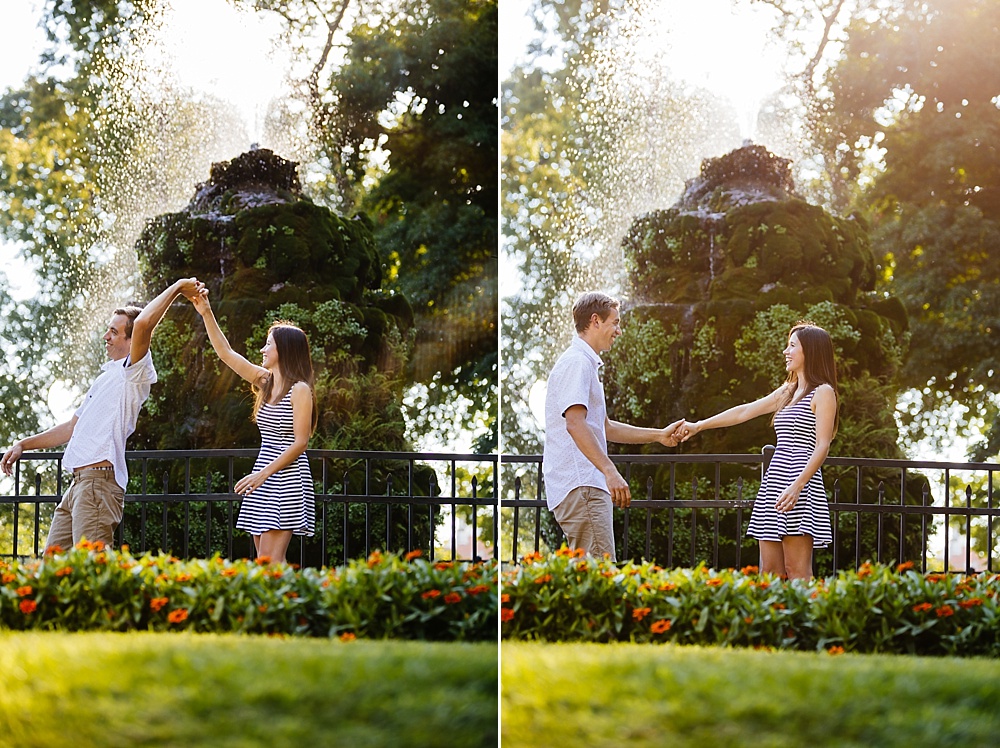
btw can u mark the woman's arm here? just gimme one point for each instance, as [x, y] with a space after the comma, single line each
[301, 428]
[824, 405]
[736, 414]
[250, 372]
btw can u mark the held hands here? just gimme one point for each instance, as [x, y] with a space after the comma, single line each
[687, 429]
[190, 288]
[11, 456]
[671, 435]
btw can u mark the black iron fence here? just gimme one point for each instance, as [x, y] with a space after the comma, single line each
[690, 509]
[182, 502]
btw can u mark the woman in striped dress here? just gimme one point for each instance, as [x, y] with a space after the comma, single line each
[791, 515]
[278, 495]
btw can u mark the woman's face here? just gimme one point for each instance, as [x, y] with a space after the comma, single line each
[795, 358]
[269, 354]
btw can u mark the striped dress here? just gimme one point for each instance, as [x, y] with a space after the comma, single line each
[795, 426]
[286, 500]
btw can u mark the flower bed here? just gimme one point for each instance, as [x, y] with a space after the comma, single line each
[385, 596]
[566, 597]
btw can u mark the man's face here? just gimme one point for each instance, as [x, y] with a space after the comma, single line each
[607, 329]
[115, 342]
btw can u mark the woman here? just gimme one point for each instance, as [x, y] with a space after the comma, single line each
[278, 495]
[791, 515]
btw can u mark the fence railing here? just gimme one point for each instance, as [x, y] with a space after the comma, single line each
[688, 509]
[182, 502]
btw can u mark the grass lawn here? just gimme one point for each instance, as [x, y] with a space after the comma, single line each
[144, 689]
[604, 695]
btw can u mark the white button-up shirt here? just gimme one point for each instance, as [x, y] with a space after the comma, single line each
[108, 415]
[574, 380]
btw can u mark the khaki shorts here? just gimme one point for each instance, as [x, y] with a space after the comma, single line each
[585, 515]
[92, 508]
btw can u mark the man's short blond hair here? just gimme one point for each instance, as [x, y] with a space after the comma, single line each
[589, 304]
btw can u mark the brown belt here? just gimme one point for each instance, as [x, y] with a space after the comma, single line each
[80, 471]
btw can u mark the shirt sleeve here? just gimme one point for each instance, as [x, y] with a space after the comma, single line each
[572, 387]
[140, 372]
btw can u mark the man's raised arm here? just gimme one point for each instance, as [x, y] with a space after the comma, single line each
[152, 313]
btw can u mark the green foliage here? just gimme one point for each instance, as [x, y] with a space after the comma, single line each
[643, 357]
[226, 691]
[563, 597]
[92, 589]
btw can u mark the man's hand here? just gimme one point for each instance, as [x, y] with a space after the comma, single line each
[189, 287]
[11, 456]
[671, 435]
[621, 494]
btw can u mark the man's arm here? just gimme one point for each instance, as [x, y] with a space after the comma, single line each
[588, 443]
[54, 437]
[152, 313]
[623, 433]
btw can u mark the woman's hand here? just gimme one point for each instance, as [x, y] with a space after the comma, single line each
[247, 485]
[788, 499]
[201, 303]
[687, 429]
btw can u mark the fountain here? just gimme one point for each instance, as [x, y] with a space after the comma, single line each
[267, 252]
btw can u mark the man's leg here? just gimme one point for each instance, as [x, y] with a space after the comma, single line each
[61, 529]
[98, 508]
[585, 515]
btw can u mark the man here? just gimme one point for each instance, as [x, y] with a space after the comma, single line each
[95, 436]
[581, 483]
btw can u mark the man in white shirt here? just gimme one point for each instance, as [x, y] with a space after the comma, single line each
[582, 484]
[93, 505]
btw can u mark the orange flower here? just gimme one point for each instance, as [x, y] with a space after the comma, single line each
[661, 626]
[564, 551]
[478, 589]
[24, 591]
[157, 603]
[443, 565]
[936, 577]
[778, 606]
[543, 579]
[452, 597]
[944, 611]
[413, 554]
[177, 616]
[865, 570]
[7, 578]
[53, 549]
[530, 558]
[431, 594]
[748, 620]
[922, 607]
[64, 571]
[505, 598]
[28, 607]
[764, 585]
[749, 570]
[348, 636]
[263, 560]
[374, 559]
[715, 582]
[182, 577]
[506, 614]
[639, 613]
[905, 566]
[262, 608]
[971, 602]
[229, 572]
[835, 650]
[667, 587]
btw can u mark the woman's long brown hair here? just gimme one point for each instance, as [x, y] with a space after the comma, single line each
[820, 366]
[295, 364]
